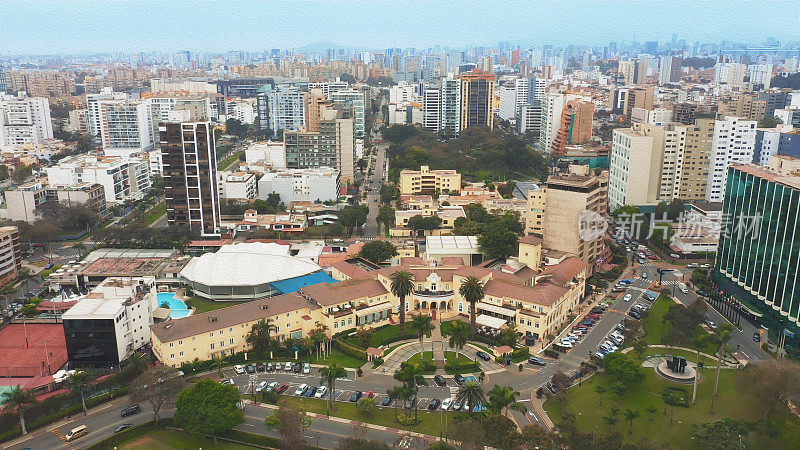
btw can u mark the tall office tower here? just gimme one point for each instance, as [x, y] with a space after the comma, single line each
[692, 172]
[626, 72]
[355, 99]
[477, 94]
[729, 73]
[508, 102]
[314, 101]
[190, 176]
[734, 143]
[126, 127]
[431, 109]
[759, 247]
[450, 109]
[286, 110]
[669, 69]
[93, 102]
[576, 125]
[24, 120]
[552, 106]
[642, 66]
[564, 199]
[635, 167]
[684, 113]
[332, 146]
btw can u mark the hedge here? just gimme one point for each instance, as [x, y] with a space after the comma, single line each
[520, 354]
[454, 368]
[551, 353]
[349, 350]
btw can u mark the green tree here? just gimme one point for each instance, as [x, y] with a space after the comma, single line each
[420, 222]
[509, 335]
[619, 389]
[624, 368]
[352, 217]
[501, 399]
[158, 386]
[670, 398]
[459, 334]
[728, 433]
[399, 394]
[720, 337]
[290, 421]
[386, 216]
[630, 416]
[19, 398]
[497, 242]
[421, 325]
[600, 389]
[260, 336]
[471, 290]
[397, 134]
[364, 336]
[329, 376]
[378, 251]
[640, 346]
[78, 382]
[208, 407]
[402, 285]
[411, 375]
[366, 406]
[534, 436]
[471, 393]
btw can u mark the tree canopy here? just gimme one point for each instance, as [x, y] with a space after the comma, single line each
[378, 251]
[208, 407]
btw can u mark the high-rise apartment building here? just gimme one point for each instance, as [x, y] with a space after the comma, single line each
[691, 173]
[745, 106]
[356, 100]
[286, 110]
[93, 102]
[734, 143]
[552, 107]
[450, 107]
[730, 73]
[431, 109]
[190, 176]
[635, 167]
[576, 125]
[10, 254]
[24, 120]
[477, 95]
[126, 127]
[784, 139]
[759, 247]
[684, 113]
[626, 72]
[122, 178]
[314, 100]
[332, 146]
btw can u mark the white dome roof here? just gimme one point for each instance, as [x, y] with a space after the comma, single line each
[248, 264]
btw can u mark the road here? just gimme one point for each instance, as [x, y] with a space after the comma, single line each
[374, 188]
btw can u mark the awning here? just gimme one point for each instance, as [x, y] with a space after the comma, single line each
[496, 309]
[373, 309]
[489, 321]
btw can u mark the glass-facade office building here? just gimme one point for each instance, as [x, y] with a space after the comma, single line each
[759, 249]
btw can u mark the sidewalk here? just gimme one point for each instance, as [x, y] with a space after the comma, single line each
[537, 405]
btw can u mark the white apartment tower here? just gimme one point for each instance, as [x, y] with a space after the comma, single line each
[734, 143]
[431, 109]
[450, 109]
[24, 120]
[552, 105]
[126, 127]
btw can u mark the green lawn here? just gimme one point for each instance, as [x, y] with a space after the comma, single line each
[153, 214]
[229, 160]
[418, 357]
[384, 335]
[584, 402]
[176, 439]
[335, 356]
[454, 357]
[202, 305]
[657, 328]
[432, 422]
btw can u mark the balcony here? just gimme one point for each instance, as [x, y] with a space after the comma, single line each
[433, 295]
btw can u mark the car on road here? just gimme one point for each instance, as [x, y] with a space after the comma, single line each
[644, 275]
[386, 401]
[261, 386]
[228, 381]
[131, 410]
[483, 356]
[282, 388]
[310, 391]
[239, 369]
[250, 368]
[123, 427]
[261, 367]
[703, 293]
[356, 396]
[711, 324]
[536, 361]
[756, 337]
[627, 297]
[439, 380]
[301, 389]
[434, 404]
[306, 368]
[447, 403]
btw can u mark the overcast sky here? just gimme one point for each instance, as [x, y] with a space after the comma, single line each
[76, 26]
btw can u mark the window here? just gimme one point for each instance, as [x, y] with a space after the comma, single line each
[221, 332]
[171, 345]
[212, 346]
[172, 356]
[180, 342]
[231, 341]
[212, 334]
[222, 343]
[181, 354]
[335, 324]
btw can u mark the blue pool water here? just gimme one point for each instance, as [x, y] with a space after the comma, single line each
[179, 309]
[470, 378]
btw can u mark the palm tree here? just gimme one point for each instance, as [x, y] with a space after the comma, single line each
[697, 342]
[501, 399]
[600, 389]
[422, 325]
[720, 338]
[18, 398]
[670, 398]
[260, 335]
[459, 334]
[329, 375]
[398, 393]
[470, 393]
[78, 382]
[472, 291]
[402, 285]
[630, 416]
[137, 364]
[411, 375]
[619, 389]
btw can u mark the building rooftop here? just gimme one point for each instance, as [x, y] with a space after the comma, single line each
[454, 245]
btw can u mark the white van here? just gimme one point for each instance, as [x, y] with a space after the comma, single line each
[76, 432]
[683, 288]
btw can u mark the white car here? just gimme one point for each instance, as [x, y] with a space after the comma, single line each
[272, 386]
[627, 297]
[261, 386]
[301, 389]
[306, 368]
[321, 392]
[288, 367]
[566, 344]
[238, 369]
[447, 403]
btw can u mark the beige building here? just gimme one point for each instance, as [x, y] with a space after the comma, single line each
[427, 181]
[21, 203]
[636, 161]
[746, 106]
[314, 101]
[10, 254]
[692, 178]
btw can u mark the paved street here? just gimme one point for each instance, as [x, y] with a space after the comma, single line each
[374, 190]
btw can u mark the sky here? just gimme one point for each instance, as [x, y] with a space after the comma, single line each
[81, 27]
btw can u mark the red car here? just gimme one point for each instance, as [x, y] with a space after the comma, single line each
[282, 388]
[369, 394]
[653, 257]
[592, 316]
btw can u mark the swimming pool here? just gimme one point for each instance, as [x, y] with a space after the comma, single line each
[178, 309]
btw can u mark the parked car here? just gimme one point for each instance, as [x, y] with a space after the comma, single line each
[457, 405]
[270, 367]
[409, 404]
[131, 410]
[282, 388]
[306, 368]
[627, 297]
[261, 367]
[123, 427]
[386, 401]
[301, 389]
[459, 379]
[261, 386]
[250, 368]
[288, 367]
[565, 344]
[298, 367]
[447, 403]
[356, 396]
[703, 293]
[536, 361]
[434, 404]
[272, 386]
[310, 391]
[321, 392]
[369, 394]
[439, 380]
[711, 324]
[635, 315]
[228, 381]
[239, 369]
[483, 356]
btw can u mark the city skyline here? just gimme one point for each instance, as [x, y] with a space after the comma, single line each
[37, 28]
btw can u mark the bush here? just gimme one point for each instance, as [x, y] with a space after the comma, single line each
[350, 350]
[377, 362]
[551, 354]
[454, 368]
[520, 354]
